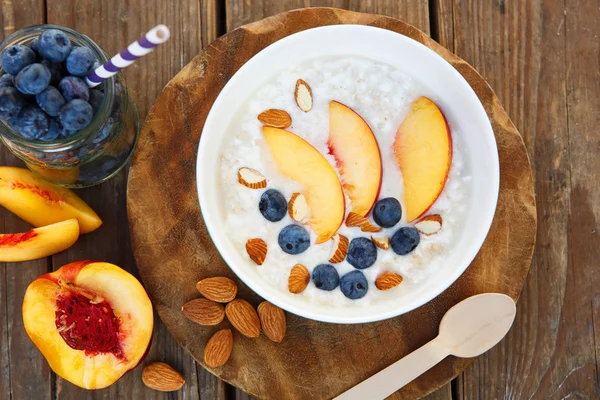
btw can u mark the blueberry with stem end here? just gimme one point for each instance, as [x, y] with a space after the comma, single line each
[405, 240]
[387, 212]
[80, 61]
[272, 205]
[15, 58]
[354, 285]
[294, 239]
[73, 87]
[33, 79]
[76, 114]
[54, 45]
[362, 253]
[325, 277]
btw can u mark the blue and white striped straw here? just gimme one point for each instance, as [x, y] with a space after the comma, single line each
[155, 36]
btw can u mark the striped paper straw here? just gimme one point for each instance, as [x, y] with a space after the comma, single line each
[155, 36]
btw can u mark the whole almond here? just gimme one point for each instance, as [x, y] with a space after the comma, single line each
[243, 317]
[257, 250]
[218, 349]
[162, 377]
[272, 319]
[388, 280]
[275, 118]
[218, 288]
[299, 278]
[204, 311]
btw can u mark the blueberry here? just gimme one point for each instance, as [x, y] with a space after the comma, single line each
[325, 277]
[16, 57]
[80, 61]
[11, 102]
[405, 240]
[7, 80]
[32, 122]
[73, 87]
[54, 45]
[53, 132]
[56, 71]
[33, 79]
[272, 205]
[76, 114]
[294, 239]
[362, 253]
[354, 285]
[96, 98]
[387, 212]
[51, 101]
[35, 43]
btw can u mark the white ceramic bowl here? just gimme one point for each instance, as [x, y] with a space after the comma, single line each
[441, 82]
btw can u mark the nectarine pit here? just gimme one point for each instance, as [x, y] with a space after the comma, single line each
[10, 240]
[88, 325]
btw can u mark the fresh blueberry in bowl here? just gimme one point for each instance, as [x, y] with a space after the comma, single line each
[387, 212]
[405, 240]
[50, 100]
[32, 122]
[325, 277]
[80, 61]
[294, 239]
[95, 100]
[76, 114]
[56, 71]
[53, 132]
[7, 80]
[73, 87]
[54, 45]
[272, 205]
[35, 44]
[354, 285]
[33, 79]
[11, 102]
[362, 253]
[15, 58]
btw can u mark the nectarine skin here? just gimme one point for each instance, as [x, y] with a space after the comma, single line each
[39, 242]
[92, 321]
[42, 203]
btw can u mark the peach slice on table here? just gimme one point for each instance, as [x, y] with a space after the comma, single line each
[352, 143]
[38, 242]
[423, 149]
[92, 321]
[42, 203]
[299, 160]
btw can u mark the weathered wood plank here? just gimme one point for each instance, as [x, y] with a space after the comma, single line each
[24, 373]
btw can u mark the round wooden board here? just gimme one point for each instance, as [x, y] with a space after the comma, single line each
[316, 360]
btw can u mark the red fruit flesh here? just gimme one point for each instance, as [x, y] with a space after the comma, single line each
[88, 324]
[11, 240]
[45, 194]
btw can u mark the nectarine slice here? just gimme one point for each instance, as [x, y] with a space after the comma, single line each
[423, 149]
[92, 321]
[299, 160]
[352, 143]
[42, 203]
[38, 242]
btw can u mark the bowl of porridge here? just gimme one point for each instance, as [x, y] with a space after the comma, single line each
[348, 174]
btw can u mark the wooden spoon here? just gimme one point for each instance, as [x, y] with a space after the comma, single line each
[468, 329]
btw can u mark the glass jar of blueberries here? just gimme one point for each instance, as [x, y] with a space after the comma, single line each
[64, 131]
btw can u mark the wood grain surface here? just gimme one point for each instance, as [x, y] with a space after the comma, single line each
[316, 360]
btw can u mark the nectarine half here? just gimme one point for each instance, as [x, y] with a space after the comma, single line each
[92, 321]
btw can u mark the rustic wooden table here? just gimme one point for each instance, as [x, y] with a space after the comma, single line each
[542, 57]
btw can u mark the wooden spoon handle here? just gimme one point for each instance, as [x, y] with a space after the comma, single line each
[392, 378]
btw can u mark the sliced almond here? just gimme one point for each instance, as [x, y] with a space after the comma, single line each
[275, 118]
[251, 178]
[382, 243]
[243, 317]
[429, 225]
[218, 288]
[388, 280]
[204, 311]
[303, 95]
[364, 224]
[299, 278]
[218, 349]
[298, 208]
[257, 250]
[162, 377]
[272, 320]
[340, 248]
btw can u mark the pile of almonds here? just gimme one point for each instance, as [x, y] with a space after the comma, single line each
[210, 311]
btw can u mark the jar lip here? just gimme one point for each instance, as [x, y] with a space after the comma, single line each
[25, 35]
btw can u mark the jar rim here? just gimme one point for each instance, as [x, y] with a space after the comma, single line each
[26, 34]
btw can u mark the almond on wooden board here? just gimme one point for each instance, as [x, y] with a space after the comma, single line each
[272, 319]
[243, 317]
[429, 225]
[303, 96]
[257, 250]
[299, 278]
[275, 118]
[218, 288]
[364, 224]
[340, 248]
[218, 349]
[388, 280]
[251, 178]
[204, 311]
[162, 377]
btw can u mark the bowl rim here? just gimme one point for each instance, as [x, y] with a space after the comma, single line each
[308, 312]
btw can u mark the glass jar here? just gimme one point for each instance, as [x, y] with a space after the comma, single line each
[95, 153]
